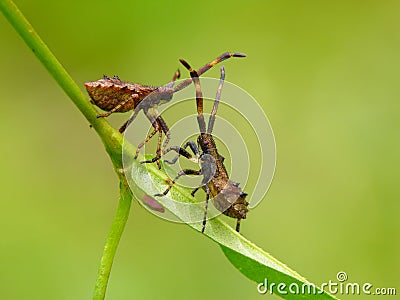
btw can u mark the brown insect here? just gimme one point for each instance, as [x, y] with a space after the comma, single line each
[226, 195]
[114, 95]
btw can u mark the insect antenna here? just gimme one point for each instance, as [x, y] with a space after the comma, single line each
[130, 120]
[211, 121]
[199, 96]
[176, 76]
[207, 67]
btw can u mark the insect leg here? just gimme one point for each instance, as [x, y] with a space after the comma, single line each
[124, 126]
[158, 152]
[154, 121]
[205, 209]
[156, 159]
[163, 127]
[195, 190]
[193, 147]
[118, 106]
[238, 225]
[181, 173]
[140, 146]
[130, 120]
[177, 149]
[182, 151]
[146, 104]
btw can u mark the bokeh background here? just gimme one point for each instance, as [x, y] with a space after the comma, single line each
[325, 73]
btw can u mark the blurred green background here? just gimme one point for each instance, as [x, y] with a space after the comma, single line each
[325, 73]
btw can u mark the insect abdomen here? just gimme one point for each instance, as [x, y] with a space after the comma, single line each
[228, 198]
[107, 93]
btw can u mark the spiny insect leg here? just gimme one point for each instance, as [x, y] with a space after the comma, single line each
[151, 115]
[181, 173]
[158, 152]
[140, 146]
[156, 159]
[163, 127]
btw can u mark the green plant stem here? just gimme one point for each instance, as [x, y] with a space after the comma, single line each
[112, 242]
[111, 139]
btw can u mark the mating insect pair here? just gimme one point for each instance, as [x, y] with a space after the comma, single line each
[114, 95]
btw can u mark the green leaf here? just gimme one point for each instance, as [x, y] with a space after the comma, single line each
[249, 259]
